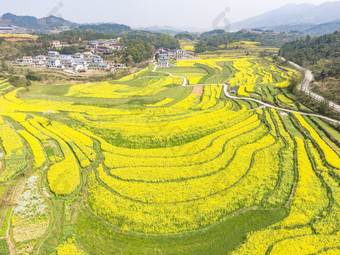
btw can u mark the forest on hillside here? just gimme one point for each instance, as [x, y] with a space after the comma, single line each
[322, 56]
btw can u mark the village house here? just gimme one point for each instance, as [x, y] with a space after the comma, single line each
[98, 60]
[38, 62]
[65, 44]
[115, 41]
[104, 51]
[116, 47]
[54, 63]
[163, 57]
[99, 67]
[65, 57]
[88, 60]
[78, 67]
[171, 55]
[180, 54]
[94, 44]
[27, 60]
[40, 57]
[56, 44]
[68, 64]
[53, 54]
[118, 65]
[164, 63]
[109, 62]
[78, 55]
[81, 61]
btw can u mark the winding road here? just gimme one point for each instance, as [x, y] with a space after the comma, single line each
[305, 84]
[275, 107]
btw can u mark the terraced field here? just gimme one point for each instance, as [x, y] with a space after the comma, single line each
[144, 165]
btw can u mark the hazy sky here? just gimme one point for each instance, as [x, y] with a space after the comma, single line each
[137, 13]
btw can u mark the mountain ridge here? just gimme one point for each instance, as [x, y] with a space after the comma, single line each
[53, 23]
[293, 13]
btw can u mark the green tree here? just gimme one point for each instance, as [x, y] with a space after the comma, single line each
[200, 47]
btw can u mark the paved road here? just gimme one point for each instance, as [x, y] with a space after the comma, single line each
[185, 80]
[307, 80]
[275, 107]
[305, 84]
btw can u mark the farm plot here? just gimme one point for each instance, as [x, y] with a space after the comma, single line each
[143, 165]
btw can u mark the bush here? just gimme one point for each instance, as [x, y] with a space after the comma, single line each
[4, 249]
[32, 76]
[18, 81]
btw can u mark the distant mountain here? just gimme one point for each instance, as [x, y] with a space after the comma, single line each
[34, 24]
[106, 28]
[289, 27]
[310, 29]
[325, 28]
[171, 30]
[293, 14]
[161, 29]
[52, 23]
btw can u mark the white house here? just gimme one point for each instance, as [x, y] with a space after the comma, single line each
[171, 54]
[79, 55]
[81, 61]
[53, 63]
[180, 54]
[78, 67]
[88, 60]
[56, 44]
[27, 60]
[65, 57]
[116, 47]
[38, 62]
[98, 60]
[99, 67]
[163, 57]
[40, 57]
[164, 63]
[53, 54]
[94, 56]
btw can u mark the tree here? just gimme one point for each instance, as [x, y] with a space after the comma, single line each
[324, 107]
[200, 47]
[4, 66]
[323, 74]
[19, 81]
[293, 83]
[32, 76]
[49, 114]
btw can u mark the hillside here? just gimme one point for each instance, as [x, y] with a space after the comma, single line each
[325, 28]
[106, 28]
[293, 14]
[322, 56]
[52, 23]
[306, 28]
[32, 23]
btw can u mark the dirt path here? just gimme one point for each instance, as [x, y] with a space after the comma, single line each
[8, 238]
[185, 80]
[198, 90]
